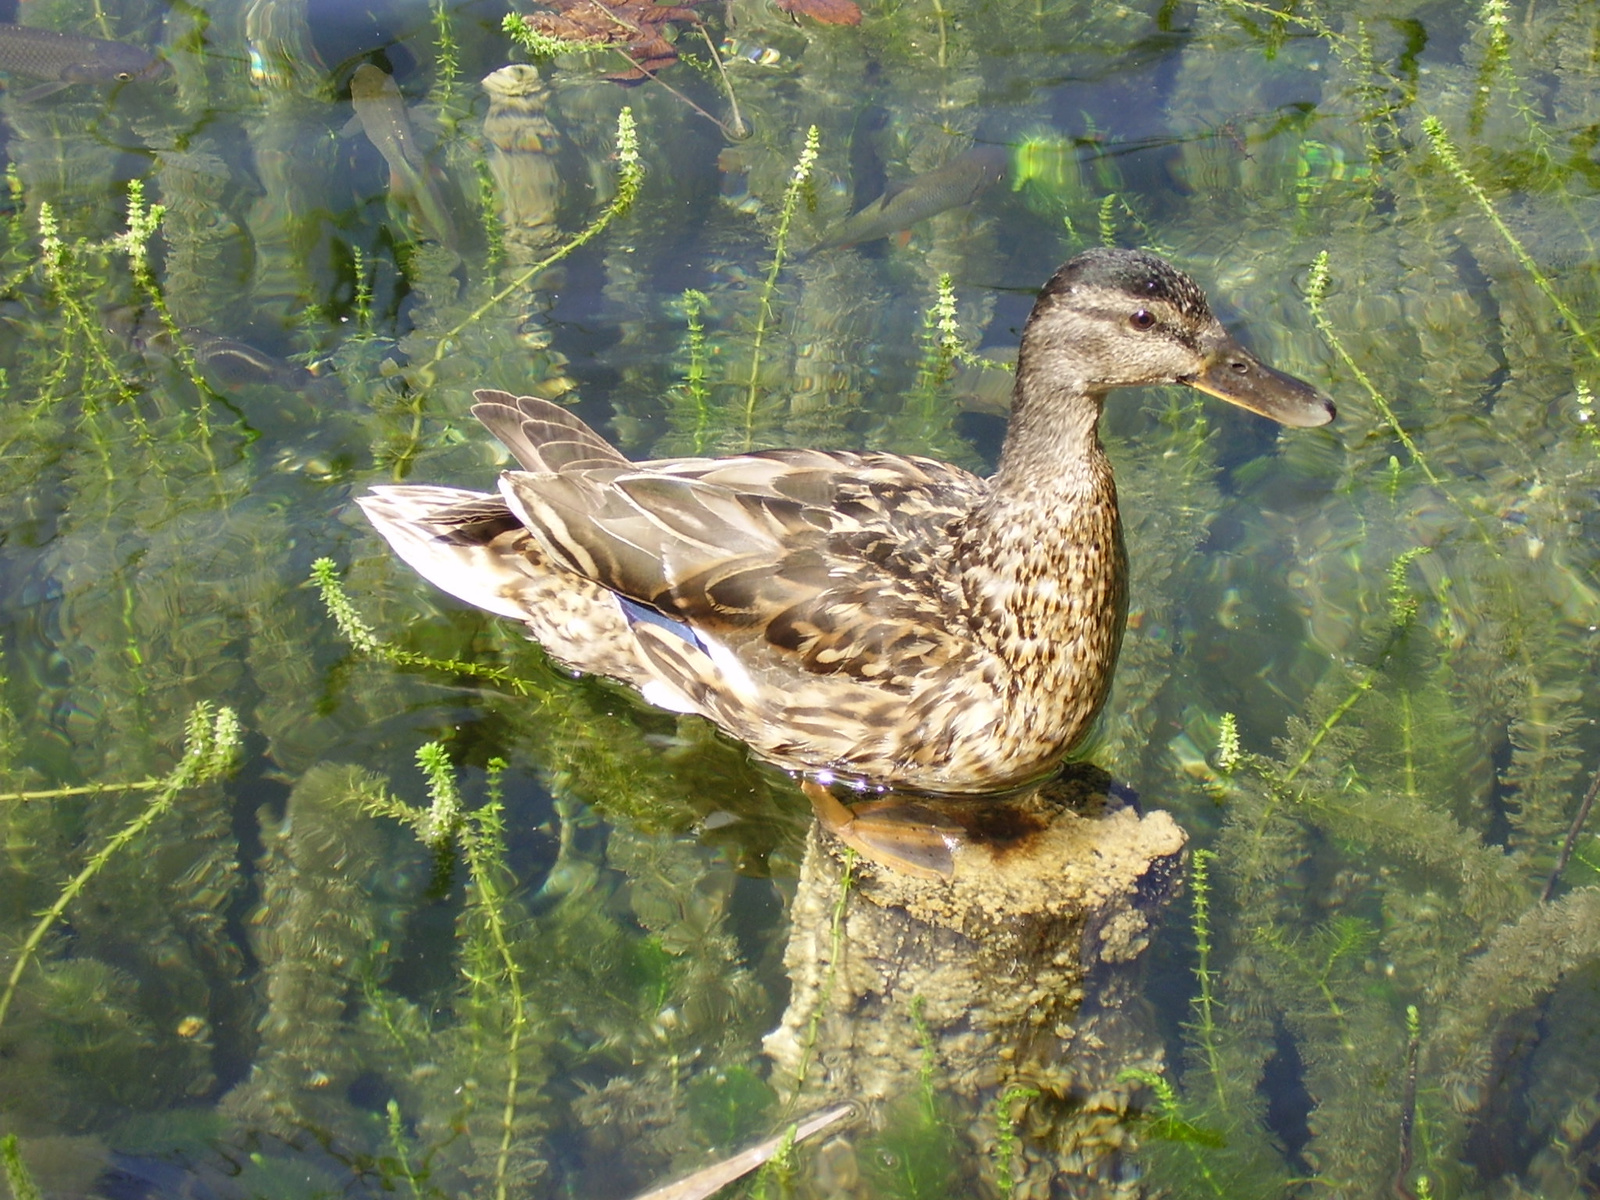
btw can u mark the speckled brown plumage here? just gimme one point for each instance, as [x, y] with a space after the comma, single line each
[884, 618]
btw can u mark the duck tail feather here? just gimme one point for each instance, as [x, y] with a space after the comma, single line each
[465, 543]
[543, 437]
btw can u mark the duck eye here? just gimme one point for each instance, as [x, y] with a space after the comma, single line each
[1142, 319]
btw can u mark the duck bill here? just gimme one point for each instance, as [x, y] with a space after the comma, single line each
[1233, 374]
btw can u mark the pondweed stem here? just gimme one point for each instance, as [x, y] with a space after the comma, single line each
[212, 743]
[1446, 152]
[630, 177]
[764, 313]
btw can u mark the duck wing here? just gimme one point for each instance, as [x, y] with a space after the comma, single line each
[833, 562]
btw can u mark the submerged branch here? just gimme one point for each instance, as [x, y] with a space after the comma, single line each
[1579, 820]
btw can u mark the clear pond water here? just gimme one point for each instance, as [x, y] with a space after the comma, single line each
[1333, 921]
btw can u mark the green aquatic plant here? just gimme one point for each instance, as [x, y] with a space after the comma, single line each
[742, 410]
[1315, 974]
[415, 1177]
[321, 945]
[778, 1172]
[926, 420]
[745, 405]
[687, 964]
[65, 270]
[1166, 1124]
[1414, 807]
[144, 222]
[1167, 477]
[540, 44]
[82, 372]
[590, 736]
[1204, 1029]
[1450, 156]
[441, 821]
[1391, 919]
[836, 930]
[450, 321]
[447, 58]
[1006, 1141]
[516, 1007]
[498, 979]
[210, 751]
[18, 1177]
[691, 413]
[749, 424]
[1108, 228]
[912, 1156]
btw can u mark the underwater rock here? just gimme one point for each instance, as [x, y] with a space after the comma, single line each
[522, 147]
[1014, 973]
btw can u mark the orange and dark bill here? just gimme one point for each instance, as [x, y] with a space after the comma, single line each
[1233, 374]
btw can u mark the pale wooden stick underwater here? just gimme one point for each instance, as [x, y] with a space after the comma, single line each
[706, 1182]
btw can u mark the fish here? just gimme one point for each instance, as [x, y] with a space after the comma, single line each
[381, 111]
[712, 1179]
[960, 181]
[67, 58]
[225, 363]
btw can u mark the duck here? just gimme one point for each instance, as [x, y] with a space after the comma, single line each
[861, 618]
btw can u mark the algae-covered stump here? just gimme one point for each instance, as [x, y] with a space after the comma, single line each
[1016, 972]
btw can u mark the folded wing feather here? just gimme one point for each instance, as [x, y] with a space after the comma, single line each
[833, 561]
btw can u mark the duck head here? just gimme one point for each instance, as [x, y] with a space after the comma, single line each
[1123, 318]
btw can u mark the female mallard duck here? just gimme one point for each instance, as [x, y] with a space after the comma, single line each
[874, 617]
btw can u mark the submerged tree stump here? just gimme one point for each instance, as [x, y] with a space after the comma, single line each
[1013, 976]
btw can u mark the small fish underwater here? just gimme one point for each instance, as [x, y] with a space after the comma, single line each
[67, 58]
[381, 114]
[960, 181]
[225, 362]
[870, 617]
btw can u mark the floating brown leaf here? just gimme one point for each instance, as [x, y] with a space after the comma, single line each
[829, 12]
[632, 26]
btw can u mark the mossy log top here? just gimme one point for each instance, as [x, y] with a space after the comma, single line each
[1014, 973]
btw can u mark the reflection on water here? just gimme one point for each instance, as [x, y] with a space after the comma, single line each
[1357, 682]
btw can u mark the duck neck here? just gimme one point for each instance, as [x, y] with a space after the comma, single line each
[1054, 430]
[1040, 562]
